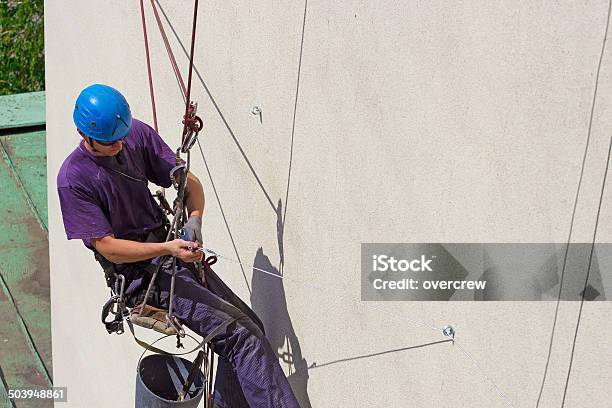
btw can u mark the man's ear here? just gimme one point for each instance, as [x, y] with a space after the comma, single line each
[88, 140]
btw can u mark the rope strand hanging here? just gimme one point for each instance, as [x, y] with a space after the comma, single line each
[191, 127]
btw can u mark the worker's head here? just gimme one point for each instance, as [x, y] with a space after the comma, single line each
[102, 117]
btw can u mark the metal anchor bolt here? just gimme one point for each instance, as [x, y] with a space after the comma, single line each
[256, 110]
[449, 331]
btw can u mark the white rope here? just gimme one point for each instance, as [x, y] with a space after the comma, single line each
[276, 275]
[210, 251]
[499, 391]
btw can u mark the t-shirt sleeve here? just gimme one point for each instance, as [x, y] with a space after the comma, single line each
[159, 158]
[83, 217]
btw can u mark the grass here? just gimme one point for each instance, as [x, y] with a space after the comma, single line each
[22, 56]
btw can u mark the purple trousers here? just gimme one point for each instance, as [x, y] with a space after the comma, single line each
[248, 372]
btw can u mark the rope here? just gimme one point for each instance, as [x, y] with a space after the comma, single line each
[229, 230]
[177, 72]
[190, 71]
[586, 281]
[502, 394]
[314, 365]
[295, 105]
[218, 109]
[179, 202]
[218, 255]
[146, 44]
[563, 268]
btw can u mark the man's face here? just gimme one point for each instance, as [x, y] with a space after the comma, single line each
[106, 149]
[102, 148]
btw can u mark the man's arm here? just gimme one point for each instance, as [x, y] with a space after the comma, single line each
[192, 230]
[123, 250]
[195, 198]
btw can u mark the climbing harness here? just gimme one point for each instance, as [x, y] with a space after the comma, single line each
[116, 306]
[118, 275]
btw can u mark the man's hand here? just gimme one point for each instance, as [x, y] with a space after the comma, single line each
[192, 230]
[179, 248]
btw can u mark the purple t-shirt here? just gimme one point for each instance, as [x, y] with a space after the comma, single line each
[97, 200]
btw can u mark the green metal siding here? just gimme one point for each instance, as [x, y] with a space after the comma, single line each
[25, 328]
[22, 110]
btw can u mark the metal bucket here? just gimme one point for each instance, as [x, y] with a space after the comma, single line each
[159, 380]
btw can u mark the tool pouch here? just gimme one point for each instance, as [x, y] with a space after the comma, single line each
[151, 318]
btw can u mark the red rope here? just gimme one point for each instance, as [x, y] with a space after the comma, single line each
[146, 42]
[169, 49]
[186, 90]
[193, 38]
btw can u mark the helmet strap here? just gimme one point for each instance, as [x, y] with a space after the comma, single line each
[119, 159]
[91, 144]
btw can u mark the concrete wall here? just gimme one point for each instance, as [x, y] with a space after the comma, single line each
[416, 122]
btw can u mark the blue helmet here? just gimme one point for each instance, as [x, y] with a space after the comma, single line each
[102, 113]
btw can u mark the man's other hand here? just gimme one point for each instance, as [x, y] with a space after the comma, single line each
[179, 248]
[192, 229]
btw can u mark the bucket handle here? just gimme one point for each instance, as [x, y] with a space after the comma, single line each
[217, 330]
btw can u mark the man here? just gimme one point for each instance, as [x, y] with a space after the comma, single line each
[106, 202]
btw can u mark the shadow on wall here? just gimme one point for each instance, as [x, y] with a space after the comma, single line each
[269, 302]
[543, 272]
